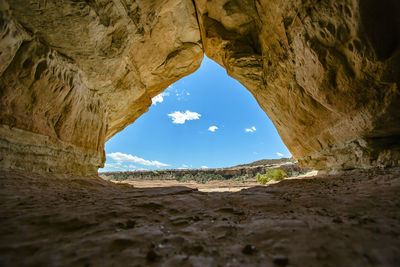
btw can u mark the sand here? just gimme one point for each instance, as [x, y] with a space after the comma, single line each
[347, 219]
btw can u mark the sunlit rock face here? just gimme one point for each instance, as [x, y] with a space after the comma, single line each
[325, 72]
[74, 73]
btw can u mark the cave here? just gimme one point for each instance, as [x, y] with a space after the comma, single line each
[74, 73]
[207, 119]
[328, 83]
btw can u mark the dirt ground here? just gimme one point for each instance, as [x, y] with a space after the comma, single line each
[211, 186]
[348, 219]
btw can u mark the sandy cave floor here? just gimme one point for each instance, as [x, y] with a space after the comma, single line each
[348, 219]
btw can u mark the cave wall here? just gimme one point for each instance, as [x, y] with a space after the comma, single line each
[325, 72]
[75, 72]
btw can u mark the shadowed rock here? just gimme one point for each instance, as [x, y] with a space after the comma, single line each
[55, 220]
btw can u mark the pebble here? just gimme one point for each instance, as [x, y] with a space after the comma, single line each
[249, 250]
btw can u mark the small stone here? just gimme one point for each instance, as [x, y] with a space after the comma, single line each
[249, 250]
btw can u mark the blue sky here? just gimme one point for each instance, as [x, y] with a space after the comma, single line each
[205, 120]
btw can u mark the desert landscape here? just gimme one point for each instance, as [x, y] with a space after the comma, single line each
[74, 73]
[230, 179]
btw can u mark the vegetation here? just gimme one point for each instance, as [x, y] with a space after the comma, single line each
[271, 175]
[200, 178]
[240, 178]
[242, 175]
[120, 176]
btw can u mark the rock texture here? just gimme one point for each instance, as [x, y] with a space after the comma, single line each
[327, 73]
[74, 73]
[351, 219]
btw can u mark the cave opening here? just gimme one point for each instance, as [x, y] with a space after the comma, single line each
[75, 73]
[204, 120]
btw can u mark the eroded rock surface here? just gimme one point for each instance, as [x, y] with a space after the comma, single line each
[74, 73]
[325, 72]
[351, 219]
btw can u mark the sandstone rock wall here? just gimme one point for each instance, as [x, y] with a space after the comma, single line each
[74, 73]
[325, 72]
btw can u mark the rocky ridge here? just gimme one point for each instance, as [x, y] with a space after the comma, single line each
[241, 171]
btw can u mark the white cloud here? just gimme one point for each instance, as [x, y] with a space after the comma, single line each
[117, 166]
[180, 118]
[279, 154]
[159, 98]
[213, 128]
[113, 166]
[121, 157]
[204, 167]
[250, 130]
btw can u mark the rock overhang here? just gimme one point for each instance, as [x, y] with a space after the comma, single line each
[75, 73]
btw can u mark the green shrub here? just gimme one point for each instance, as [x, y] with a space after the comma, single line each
[262, 179]
[276, 174]
[271, 175]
